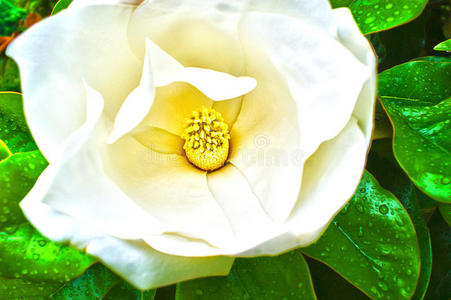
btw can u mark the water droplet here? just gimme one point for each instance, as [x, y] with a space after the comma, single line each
[383, 209]
[35, 256]
[388, 6]
[42, 243]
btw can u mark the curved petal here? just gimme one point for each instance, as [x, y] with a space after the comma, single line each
[159, 140]
[350, 36]
[331, 176]
[310, 60]
[54, 56]
[170, 190]
[196, 33]
[75, 183]
[265, 139]
[136, 105]
[135, 261]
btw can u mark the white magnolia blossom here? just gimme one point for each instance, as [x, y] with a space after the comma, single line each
[107, 88]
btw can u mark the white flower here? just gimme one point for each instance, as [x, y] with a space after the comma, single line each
[108, 87]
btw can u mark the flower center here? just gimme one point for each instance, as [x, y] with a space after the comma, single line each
[206, 139]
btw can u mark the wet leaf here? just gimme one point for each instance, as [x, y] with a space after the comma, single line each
[282, 277]
[372, 243]
[25, 289]
[331, 286]
[378, 15]
[416, 96]
[18, 173]
[26, 254]
[382, 163]
[93, 284]
[13, 127]
[444, 46]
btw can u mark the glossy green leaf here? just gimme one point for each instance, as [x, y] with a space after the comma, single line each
[340, 3]
[440, 285]
[60, 5]
[382, 163]
[444, 46]
[372, 243]
[26, 254]
[25, 289]
[4, 151]
[13, 127]
[93, 284]
[331, 286]
[124, 291]
[18, 173]
[378, 15]
[282, 277]
[416, 96]
[445, 210]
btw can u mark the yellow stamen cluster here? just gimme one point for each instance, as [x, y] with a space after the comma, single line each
[206, 139]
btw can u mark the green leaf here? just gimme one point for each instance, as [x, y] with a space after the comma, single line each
[445, 210]
[340, 3]
[60, 5]
[9, 17]
[18, 173]
[13, 127]
[372, 244]
[382, 163]
[331, 286]
[9, 74]
[25, 289]
[416, 96]
[124, 291]
[93, 284]
[26, 254]
[444, 46]
[282, 277]
[377, 15]
[4, 151]
[440, 285]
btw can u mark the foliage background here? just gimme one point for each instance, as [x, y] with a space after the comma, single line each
[392, 240]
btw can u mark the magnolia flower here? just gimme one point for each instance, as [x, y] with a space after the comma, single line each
[181, 134]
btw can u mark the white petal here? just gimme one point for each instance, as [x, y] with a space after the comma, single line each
[135, 261]
[349, 34]
[317, 13]
[137, 104]
[324, 77]
[75, 183]
[53, 57]
[250, 223]
[215, 85]
[82, 3]
[171, 190]
[330, 178]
